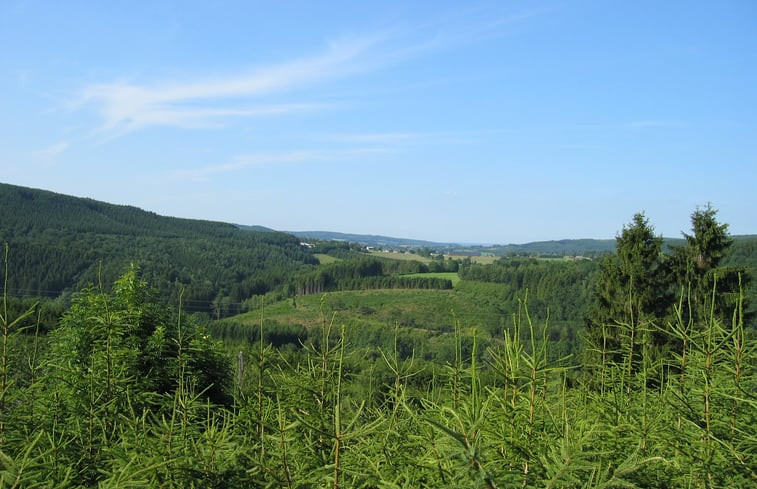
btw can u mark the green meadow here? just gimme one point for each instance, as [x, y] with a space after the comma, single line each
[400, 255]
[451, 276]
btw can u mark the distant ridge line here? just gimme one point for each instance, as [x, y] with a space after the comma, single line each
[559, 246]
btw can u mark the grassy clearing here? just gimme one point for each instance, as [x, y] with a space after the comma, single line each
[400, 256]
[484, 260]
[326, 259]
[451, 276]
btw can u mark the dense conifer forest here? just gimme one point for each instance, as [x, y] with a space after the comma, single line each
[61, 244]
[636, 369]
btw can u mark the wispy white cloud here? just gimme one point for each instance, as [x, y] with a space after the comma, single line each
[409, 138]
[654, 123]
[356, 144]
[496, 26]
[450, 30]
[48, 157]
[53, 150]
[379, 137]
[126, 106]
[246, 161]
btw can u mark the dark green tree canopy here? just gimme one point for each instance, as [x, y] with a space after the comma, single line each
[697, 268]
[641, 290]
[632, 283]
[632, 296]
[709, 239]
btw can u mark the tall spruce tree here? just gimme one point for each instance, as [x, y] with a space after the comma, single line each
[696, 268]
[632, 293]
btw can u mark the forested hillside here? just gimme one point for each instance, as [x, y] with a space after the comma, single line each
[59, 244]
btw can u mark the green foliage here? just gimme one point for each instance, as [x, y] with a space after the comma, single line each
[366, 273]
[136, 343]
[61, 244]
[123, 398]
[635, 289]
[559, 286]
[697, 266]
[425, 388]
[632, 298]
[632, 285]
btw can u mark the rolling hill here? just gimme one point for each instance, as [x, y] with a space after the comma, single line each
[59, 244]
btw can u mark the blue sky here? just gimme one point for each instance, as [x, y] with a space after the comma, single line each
[489, 122]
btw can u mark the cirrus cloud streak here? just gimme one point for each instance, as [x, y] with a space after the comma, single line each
[126, 107]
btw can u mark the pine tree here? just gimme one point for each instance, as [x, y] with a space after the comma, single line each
[696, 268]
[632, 293]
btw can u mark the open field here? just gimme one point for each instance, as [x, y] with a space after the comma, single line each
[400, 256]
[484, 260]
[423, 259]
[325, 259]
[451, 276]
